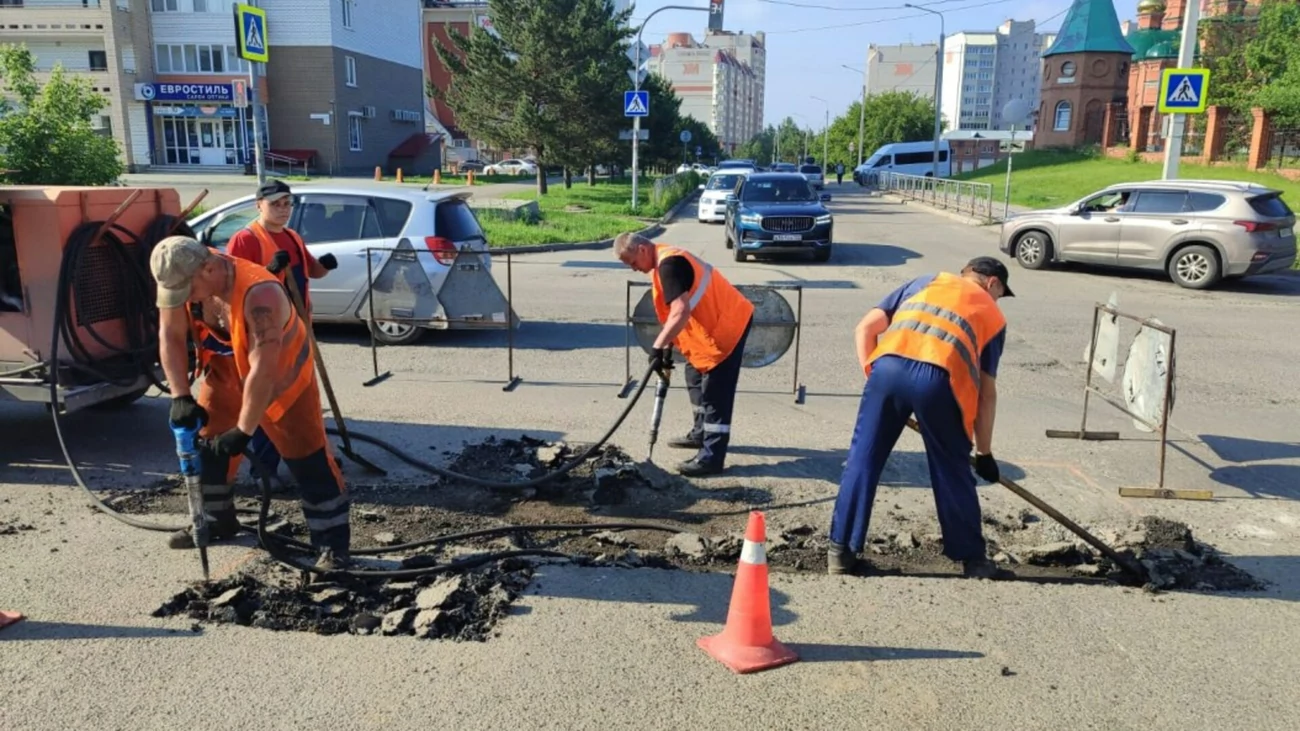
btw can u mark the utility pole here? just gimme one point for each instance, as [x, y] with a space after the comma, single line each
[636, 86]
[862, 114]
[1178, 122]
[938, 85]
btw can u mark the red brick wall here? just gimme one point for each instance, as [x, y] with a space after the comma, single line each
[437, 34]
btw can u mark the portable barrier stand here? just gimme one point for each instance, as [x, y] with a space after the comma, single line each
[775, 328]
[467, 299]
[1137, 365]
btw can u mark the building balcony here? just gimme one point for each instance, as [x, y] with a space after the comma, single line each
[52, 18]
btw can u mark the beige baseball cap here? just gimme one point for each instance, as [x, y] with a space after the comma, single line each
[175, 261]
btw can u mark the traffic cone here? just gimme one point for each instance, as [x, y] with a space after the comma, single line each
[379, 173]
[469, 179]
[8, 618]
[437, 177]
[746, 644]
[399, 176]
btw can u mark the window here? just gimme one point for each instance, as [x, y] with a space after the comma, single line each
[325, 219]
[234, 221]
[454, 220]
[392, 215]
[1270, 205]
[1061, 122]
[98, 60]
[354, 132]
[198, 59]
[1067, 69]
[165, 6]
[200, 6]
[1201, 202]
[350, 70]
[347, 13]
[1159, 202]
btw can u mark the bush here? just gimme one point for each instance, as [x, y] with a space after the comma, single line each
[672, 191]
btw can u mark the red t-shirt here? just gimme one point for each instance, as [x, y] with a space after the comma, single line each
[245, 245]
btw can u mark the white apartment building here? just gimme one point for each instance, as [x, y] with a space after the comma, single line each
[982, 71]
[909, 68]
[715, 82]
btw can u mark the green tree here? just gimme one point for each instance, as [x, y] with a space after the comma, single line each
[701, 137]
[525, 86]
[759, 148]
[1273, 59]
[889, 117]
[663, 149]
[45, 131]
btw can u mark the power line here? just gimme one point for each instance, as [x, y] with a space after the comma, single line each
[841, 9]
[909, 16]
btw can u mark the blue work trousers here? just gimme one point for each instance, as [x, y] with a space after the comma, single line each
[896, 389]
[713, 396]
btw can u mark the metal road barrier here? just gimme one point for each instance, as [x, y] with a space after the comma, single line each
[973, 199]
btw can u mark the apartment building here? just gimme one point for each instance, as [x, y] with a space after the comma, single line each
[983, 71]
[105, 41]
[716, 80]
[908, 68]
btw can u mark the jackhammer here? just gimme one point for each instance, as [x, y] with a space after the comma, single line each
[661, 393]
[187, 450]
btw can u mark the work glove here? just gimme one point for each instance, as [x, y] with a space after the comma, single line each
[987, 467]
[661, 359]
[187, 414]
[231, 443]
[329, 262]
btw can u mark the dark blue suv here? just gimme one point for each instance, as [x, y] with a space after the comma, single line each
[778, 213]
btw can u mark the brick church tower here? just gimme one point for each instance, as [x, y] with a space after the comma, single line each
[1084, 71]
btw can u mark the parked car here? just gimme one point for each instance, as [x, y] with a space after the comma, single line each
[511, 167]
[684, 168]
[345, 221]
[907, 158]
[720, 186]
[469, 165]
[750, 164]
[813, 174]
[778, 213]
[785, 167]
[1198, 231]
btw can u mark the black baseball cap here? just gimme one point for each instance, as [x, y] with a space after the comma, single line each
[991, 267]
[273, 190]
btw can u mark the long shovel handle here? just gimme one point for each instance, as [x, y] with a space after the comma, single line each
[320, 361]
[1059, 517]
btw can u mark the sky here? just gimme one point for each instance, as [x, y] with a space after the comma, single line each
[809, 41]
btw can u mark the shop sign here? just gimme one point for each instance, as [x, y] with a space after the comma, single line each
[186, 92]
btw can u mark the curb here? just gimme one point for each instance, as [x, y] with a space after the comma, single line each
[649, 232]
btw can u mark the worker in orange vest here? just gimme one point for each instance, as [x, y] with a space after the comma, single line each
[931, 348]
[258, 242]
[269, 382]
[708, 320]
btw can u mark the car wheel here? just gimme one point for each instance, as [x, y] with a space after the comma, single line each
[1033, 250]
[396, 333]
[822, 255]
[726, 236]
[739, 253]
[1195, 267]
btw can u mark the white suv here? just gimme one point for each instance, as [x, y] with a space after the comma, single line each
[722, 185]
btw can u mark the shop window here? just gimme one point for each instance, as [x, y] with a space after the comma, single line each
[354, 132]
[1061, 122]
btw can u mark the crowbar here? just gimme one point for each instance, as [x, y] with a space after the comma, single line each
[1119, 559]
[281, 261]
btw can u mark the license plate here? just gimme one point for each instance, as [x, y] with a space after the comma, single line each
[1286, 233]
[787, 237]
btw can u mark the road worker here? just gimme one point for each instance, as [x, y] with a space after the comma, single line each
[258, 243]
[931, 348]
[708, 320]
[269, 382]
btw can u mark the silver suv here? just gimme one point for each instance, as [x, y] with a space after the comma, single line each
[1198, 231]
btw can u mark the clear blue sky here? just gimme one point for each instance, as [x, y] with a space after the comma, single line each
[808, 40]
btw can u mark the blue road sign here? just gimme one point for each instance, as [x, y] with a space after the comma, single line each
[1183, 91]
[250, 33]
[636, 103]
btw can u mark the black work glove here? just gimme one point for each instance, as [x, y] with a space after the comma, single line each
[661, 359]
[329, 262]
[987, 467]
[231, 443]
[187, 414]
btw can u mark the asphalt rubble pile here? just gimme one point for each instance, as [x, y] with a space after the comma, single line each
[602, 478]
[463, 607]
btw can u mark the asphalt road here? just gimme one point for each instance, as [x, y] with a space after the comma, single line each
[597, 648]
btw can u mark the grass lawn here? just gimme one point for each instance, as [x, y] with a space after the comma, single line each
[608, 213]
[1050, 178]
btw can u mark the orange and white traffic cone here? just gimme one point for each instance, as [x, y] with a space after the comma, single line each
[437, 177]
[400, 179]
[379, 173]
[469, 178]
[8, 618]
[746, 644]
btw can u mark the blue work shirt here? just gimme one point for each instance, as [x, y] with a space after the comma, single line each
[989, 357]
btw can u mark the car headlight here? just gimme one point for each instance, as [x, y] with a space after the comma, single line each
[822, 220]
[751, 218]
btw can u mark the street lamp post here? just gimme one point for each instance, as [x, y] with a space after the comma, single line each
[825, 130]
[938, 84]
[636, 85]
[1178, 122]
[862, 113]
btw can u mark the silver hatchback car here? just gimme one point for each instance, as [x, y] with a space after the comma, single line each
[1198, 231]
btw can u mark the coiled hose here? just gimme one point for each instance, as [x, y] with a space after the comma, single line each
[141, 353]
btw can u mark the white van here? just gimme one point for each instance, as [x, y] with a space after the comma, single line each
[909, 158]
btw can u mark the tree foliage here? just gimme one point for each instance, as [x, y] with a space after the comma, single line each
[701, 137]
[45, 132]
[889, 117]
[1273, 58]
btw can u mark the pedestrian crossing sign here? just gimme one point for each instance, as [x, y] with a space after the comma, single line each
[1184, 91]
[636, 103]
[250, 33]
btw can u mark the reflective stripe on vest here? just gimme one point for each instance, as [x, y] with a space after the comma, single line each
[294, 371]
[719, 312]
[963, 348]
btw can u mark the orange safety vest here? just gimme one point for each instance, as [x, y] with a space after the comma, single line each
[269, 248]
[295, 372]
[946, 324]
[719, 312]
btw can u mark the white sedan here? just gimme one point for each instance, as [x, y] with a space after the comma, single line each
[713, 200]
[511, 167]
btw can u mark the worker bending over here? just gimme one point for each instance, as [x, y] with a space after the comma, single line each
[931, 348]
[708, 320]
[269, 382]
[258, 242]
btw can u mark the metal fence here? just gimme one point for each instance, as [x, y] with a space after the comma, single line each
[974, 199]
[662, 185]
